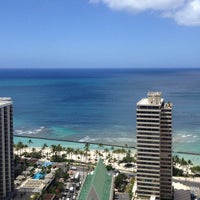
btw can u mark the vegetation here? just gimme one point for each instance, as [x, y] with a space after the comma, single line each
[62, 154]
[110, 167]
[196, 170]
[120, 182]
[58, 158]
[130, 187]
[181, 161]
[57, 186]
[22, 164]
[29, 143]
[128, 159]
[34, 196]
[177, 171]
[56, 149]
[35, 154]
[181, 166]
[20, 146]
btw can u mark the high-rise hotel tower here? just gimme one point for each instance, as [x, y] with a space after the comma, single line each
[6, 149]
[154, 148]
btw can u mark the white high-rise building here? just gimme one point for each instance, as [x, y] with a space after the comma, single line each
[6, 149]
[154, 148]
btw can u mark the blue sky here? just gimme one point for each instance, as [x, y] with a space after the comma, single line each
[99, 33]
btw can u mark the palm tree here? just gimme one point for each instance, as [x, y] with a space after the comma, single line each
[124, 151]
[188, 166]
[69, 151]
[176, 160]
[59, 148]
[25, 146]
[109, 157]
[106, 150]
[16, 149]
[20, 146]
[77, 153]
[183, 162]
[190, 162]
[96, 153]
[81, 154]
[29, 143]
[33, 150]
[112, 149]
[53, 149]
[44, 146]
[100, 146]
[118, 152]
[87, 147]
[126, 146]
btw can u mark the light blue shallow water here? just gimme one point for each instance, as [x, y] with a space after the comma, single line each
[38, 175]
[99, 105]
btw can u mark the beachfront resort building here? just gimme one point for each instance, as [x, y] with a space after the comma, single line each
[154, 148]
[6, 149]
[98, 185]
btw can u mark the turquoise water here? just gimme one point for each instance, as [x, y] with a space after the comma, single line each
[41, 142]
[38, 175]
[99, 105]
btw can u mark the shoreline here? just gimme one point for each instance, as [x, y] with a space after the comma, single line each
[38, 143]
[109, 157]
[73, 141]
[97, 144]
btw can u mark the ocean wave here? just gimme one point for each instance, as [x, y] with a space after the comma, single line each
[108, 140]
[184, 137]
[29, 132]
[87, 139]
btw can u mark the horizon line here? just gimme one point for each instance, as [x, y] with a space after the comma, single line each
[97, 68]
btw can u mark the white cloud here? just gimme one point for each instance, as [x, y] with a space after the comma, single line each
[184, 12]
[141, 5]
[189, 15]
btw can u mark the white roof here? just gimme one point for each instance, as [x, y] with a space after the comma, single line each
[5, 101]
[146, 102]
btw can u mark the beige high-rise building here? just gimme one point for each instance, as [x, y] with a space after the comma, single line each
[154, 148]
[6, 149]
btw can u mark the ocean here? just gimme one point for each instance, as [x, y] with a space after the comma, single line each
[99, 105]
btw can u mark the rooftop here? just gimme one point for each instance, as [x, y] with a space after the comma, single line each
[146, 102]
[153, 99]
[4, 101]
[98, 182]
[181, 191]
[155, 94]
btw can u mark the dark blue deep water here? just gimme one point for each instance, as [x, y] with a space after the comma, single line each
[99, 104]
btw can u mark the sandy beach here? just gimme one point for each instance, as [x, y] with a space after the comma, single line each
[109, 156]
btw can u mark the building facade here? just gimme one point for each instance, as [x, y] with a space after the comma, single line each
[154, 148]
[6, 149]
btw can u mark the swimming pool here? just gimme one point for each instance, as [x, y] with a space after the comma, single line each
[38, 175]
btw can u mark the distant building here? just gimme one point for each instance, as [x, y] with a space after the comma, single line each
[6, 149]
[98, 185]
[154, 148]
